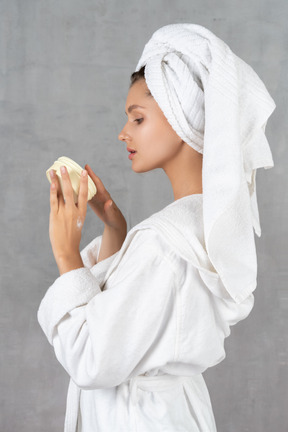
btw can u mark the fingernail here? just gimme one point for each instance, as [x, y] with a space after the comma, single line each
[52, 174]
[63, 169]
[84, 173]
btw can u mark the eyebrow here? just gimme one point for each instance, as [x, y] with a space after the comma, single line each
[132, 107]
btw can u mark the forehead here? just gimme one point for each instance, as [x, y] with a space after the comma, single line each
[139, 96]
[138, 92]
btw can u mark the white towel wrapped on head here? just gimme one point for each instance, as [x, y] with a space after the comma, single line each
[219, 106]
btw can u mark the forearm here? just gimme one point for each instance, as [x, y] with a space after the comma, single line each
[112, 241]
[66, 264]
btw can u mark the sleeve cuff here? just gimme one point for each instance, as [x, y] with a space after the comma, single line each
[70, 290]
[90, 253]
[99, 270]
[90, 256]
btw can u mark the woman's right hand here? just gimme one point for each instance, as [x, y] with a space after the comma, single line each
[100, 204]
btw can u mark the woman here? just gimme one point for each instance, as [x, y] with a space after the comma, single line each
[135, 319]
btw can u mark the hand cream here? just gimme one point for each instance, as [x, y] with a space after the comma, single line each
[74, 171]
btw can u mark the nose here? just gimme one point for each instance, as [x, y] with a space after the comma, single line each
[123, 135]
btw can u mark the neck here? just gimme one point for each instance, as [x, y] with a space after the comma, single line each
[185, 172]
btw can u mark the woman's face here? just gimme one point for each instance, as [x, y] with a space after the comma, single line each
[148, 132]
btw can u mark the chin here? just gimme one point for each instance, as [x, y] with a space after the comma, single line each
[142, 169]
[139, 170]
[141, 166]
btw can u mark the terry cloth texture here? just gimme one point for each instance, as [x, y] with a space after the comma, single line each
[219, 106]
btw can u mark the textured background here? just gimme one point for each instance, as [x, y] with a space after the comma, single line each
[64, 76]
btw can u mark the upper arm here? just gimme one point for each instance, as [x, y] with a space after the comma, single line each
[128, 328]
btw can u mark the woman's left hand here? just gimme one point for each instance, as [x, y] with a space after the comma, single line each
[67, 218]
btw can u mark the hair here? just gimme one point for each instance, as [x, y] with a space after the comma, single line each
[137, 76]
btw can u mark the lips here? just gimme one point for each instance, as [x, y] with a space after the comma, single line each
[130, 150]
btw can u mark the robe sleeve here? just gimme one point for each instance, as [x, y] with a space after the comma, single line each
[90, 253]
[103, 338]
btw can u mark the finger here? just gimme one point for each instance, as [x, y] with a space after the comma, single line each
[99, 185]
[55, 179]
[53, 198]
[67, 187]
[83, 193]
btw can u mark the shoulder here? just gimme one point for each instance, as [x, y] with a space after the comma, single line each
[149, 244]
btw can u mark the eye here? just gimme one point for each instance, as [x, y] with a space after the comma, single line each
[139, 120]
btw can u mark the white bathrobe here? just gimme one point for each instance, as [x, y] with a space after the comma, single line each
[136, 331]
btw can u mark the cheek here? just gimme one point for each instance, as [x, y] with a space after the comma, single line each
[167, 140]
[159, 133]
[149, 131]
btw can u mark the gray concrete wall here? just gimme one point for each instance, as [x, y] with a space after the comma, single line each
[64, 76]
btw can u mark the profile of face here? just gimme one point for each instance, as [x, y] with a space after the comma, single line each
[148, 132]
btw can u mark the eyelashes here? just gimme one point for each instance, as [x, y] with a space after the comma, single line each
[139, 120]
